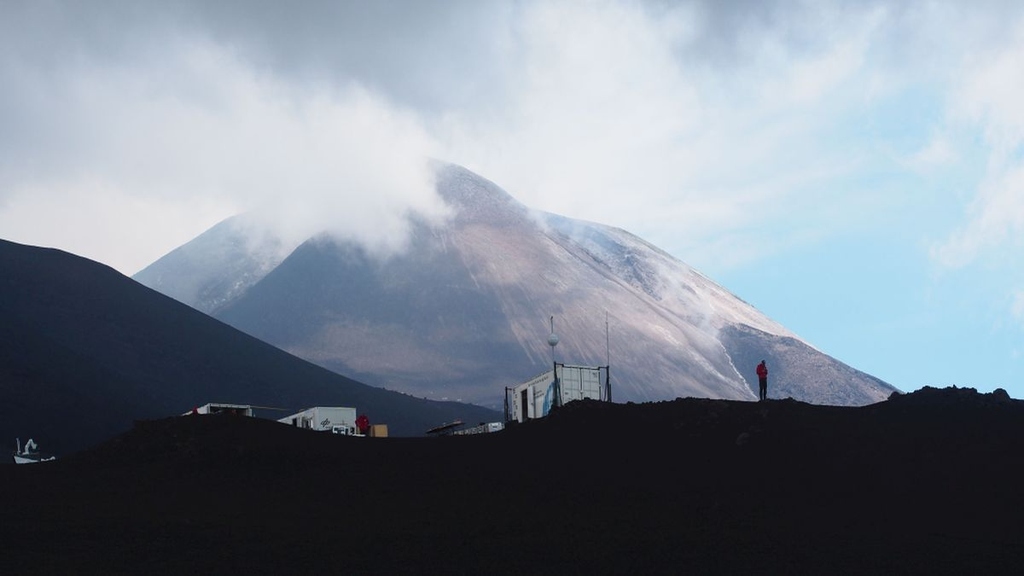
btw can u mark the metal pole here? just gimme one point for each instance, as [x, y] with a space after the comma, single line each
[608, 360]
[556, 388]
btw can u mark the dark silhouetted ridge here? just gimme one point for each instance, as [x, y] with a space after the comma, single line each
[924, 483]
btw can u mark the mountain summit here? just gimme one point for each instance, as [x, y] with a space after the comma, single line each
[464, 311]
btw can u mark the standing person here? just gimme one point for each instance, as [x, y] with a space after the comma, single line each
[762, 379]
[363, 424]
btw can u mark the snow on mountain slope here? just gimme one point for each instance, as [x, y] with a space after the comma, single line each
[649, 269]
[464, 312]
[662, 316]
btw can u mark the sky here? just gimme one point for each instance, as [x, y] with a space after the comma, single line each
[855, 170]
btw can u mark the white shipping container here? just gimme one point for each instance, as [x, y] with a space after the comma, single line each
[535, 397]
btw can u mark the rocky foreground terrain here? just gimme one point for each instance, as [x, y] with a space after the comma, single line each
[924, 483]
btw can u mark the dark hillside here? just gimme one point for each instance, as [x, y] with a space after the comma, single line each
[925, 483]
[85, 350]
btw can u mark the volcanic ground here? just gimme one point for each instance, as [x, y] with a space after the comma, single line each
[923, 483]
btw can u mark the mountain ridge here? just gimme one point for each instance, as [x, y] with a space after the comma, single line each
[84, 351]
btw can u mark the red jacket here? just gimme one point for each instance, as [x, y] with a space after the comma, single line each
[762, 371]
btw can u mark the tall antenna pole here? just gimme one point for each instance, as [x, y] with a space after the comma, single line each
[608, 359]
[607, 345]
[553, 341]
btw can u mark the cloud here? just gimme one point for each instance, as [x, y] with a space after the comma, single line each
[937, 153]
[618, 117]
[995, 223]
[988, 93]
[425, 56]
[1017, 306]
[988, 96]
[723, 132]
[193, 128]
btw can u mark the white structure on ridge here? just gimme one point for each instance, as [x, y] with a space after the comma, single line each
[536, 397]
[337, 419]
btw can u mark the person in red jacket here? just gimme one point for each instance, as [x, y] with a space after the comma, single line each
[363, 424]
[762, 380]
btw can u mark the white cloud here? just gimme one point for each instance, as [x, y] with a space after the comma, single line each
[618, 118]
[195, 128]
[722, 132]
[988, 96]
[939, 152]
[1017, 306]
[989, 92]
[995, 225]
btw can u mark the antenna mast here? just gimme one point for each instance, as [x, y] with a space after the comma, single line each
[553, 341]
[607, 346]
[608, 359]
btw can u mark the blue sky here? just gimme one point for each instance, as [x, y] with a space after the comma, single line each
[853, 169]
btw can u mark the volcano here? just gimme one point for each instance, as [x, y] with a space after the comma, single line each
[466, 309]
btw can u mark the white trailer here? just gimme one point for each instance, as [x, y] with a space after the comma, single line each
[222, 408]
[538, 395]
[336, 419]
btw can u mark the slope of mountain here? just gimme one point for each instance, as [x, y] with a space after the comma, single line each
[464, 311]
[224, 261]
[85, 350]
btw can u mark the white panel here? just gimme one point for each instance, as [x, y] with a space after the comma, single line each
[579, 382]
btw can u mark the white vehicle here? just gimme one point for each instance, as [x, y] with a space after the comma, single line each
[345, 431]
[483, 428]
[334, 419]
